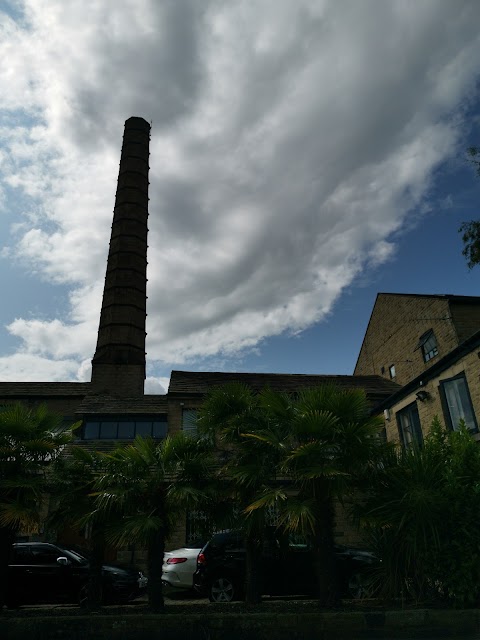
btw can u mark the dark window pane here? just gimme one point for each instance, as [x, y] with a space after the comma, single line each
[144, 428]
[45, 555]
[126, 430]
[423, 338]
[409, 425]
[108, 430]
[430, 348]
[22, 555]
[428, 344]
[91, 430]
[234, 544]
[159, 429]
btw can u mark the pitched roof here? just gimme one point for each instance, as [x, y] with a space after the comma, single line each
[41, 389]
[441, 296]
[104, 404]
[200, 382]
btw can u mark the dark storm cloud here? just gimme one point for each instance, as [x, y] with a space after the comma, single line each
[156, 73]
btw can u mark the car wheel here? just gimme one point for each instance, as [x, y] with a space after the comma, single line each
[222, 589]
[358, 586]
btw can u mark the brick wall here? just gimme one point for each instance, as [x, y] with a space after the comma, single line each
[466, 318]
[469, 365]
[63, 406]
[393, 333]
[122, 380]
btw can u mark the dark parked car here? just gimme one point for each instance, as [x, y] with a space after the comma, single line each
[286, 568]
[39, 572]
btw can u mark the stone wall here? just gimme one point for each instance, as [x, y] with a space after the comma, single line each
[432, 406]
[393, 333]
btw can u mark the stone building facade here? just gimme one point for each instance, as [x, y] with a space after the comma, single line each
[429, 344]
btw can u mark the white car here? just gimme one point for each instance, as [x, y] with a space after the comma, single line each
[179, 566]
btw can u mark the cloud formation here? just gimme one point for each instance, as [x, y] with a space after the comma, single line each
[290, 140]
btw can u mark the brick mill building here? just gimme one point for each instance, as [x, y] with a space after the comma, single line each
[430, 345]
[113, 407]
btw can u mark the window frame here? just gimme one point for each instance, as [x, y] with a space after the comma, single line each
[424, 339]
[100, 419]
[417, 432]
[446, 407]
[189, 420]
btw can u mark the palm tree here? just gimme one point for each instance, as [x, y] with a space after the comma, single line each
[230, 416]
[31, 439]
[331, 440]
[71, 485]
[143, 489]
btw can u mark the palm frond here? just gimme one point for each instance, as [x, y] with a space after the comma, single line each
[19, 515]
[269, 498]
[315, 424]
[270, 437]
[298, 515]
[31, 440]
[139, 527]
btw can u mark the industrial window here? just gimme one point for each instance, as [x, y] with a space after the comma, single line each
[428, 344]
[409, 426]
[189, 421]
[125, 427]
[457, 403]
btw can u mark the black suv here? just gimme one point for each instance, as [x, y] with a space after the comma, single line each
[39, 572]
[286, 568]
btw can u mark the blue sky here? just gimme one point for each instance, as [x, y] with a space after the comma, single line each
[427, 259]
[304, 157]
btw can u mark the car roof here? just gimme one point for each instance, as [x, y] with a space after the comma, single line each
[30, 544]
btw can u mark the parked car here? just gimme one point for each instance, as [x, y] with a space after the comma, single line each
[179, 566]
[286, 568]
[40, 572]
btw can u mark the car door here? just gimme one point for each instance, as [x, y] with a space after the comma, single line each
[19, 586]
[48, 581]
[299, 566]
[287, 565]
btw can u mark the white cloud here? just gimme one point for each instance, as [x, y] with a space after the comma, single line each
[53, 338]
[25, 367]
[289, 141]
[156, 386]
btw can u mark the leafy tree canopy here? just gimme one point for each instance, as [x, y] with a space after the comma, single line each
[471, 230]
[422, 516]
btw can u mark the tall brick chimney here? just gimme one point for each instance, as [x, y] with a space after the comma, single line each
[118, 366]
